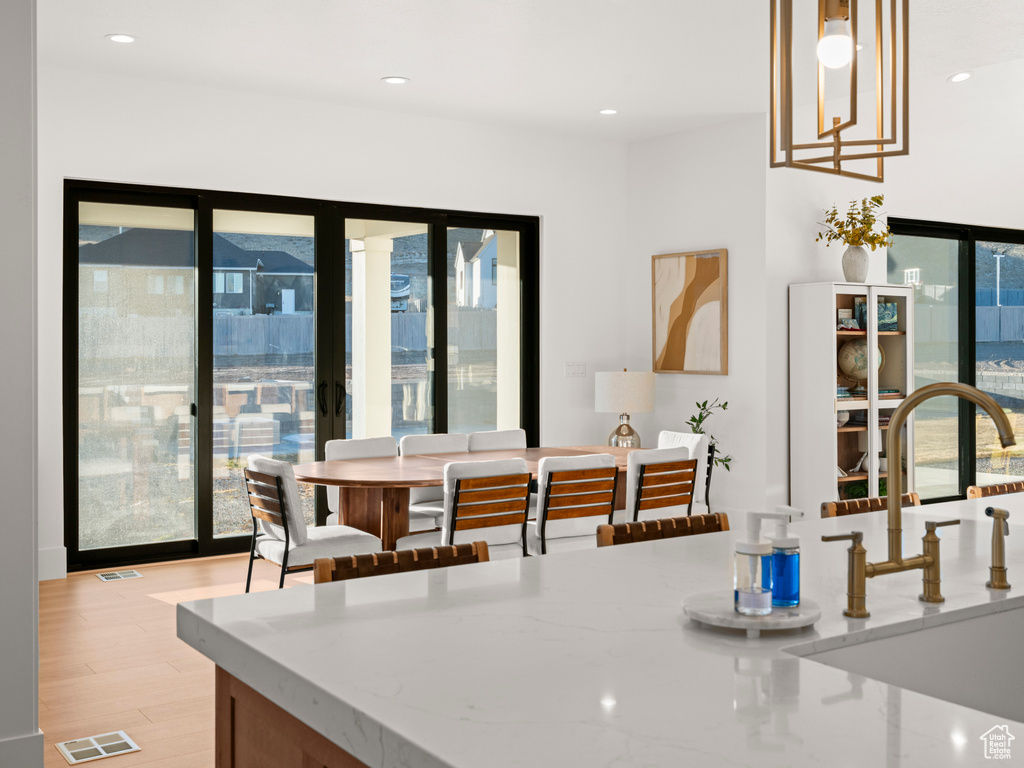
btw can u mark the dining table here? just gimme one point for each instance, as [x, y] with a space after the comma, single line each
[374, 493]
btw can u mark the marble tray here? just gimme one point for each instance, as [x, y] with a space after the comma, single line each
[716, 608]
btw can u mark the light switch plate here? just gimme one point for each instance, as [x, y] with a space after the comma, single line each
[575, 370]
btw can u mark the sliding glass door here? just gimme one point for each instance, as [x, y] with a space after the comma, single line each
[204, 327]
[263, 352]
[135, 340]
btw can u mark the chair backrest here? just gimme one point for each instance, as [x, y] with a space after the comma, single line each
[326, 569]
[356, 448]
[491, 495]
[571, 489]
[981, 491]
[498, 440]
[292, 508]
[663, 528]
[441, 443]
[636, 462]
[872, 504]
[698, 446]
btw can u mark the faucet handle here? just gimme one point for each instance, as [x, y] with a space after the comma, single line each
[931, 525]
[1000, 514]
[856, 537]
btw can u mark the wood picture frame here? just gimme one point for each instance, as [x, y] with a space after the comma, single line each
[690, 312]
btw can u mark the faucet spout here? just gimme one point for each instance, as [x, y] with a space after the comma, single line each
[894, 447]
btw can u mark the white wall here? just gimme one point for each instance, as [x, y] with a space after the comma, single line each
[693, 191]
[21, 743]
[141, 131]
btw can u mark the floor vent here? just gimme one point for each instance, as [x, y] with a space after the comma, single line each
[97, 747]
[119, 575]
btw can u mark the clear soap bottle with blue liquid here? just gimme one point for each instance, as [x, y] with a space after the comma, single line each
[785, 566]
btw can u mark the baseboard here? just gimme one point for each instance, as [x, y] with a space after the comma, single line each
[22, 751]
[53, 563]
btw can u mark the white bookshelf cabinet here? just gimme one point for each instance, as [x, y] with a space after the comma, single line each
[818, 446]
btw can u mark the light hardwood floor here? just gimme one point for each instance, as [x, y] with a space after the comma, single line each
[110, 659]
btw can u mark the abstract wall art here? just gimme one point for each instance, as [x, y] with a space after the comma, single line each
[690, 312]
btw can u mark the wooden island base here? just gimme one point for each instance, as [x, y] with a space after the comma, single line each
[253, 732]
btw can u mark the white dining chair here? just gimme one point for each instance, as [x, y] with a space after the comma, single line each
[575, 494]
[498, 440]
[637, 464]
[483, 501]
[698, 447]
[279, 532]
[426, 505]
[356, 448]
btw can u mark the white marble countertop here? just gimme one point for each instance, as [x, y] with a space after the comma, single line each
[586, 658]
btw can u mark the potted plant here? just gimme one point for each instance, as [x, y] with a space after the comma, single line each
[696, 422]
[859, 227]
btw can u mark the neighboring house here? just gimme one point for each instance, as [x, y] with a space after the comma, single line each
[157, 263]
[476, 273]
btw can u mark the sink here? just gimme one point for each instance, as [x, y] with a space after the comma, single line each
[974, 661]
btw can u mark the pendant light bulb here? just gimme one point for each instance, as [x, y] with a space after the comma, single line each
[835, 49]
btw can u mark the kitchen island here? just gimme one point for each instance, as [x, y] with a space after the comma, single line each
[586, 658]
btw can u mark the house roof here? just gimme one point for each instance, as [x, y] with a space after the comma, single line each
[141, 247]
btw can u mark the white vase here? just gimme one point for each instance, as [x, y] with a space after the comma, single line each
[883, 464]
[855, 264]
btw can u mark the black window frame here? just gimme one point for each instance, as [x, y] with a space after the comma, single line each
[329, 217]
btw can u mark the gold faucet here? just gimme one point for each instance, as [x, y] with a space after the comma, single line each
[856, 586]
[1000, 530]
[928, 562]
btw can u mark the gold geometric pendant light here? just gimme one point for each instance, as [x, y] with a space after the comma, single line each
[839, 137]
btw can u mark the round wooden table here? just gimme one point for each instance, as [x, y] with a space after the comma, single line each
[375, 492]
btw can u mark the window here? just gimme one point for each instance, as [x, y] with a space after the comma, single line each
[299, 340]
[969, 308]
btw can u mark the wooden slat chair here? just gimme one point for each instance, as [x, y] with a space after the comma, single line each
[498, 440]
[659, 479]
[573, 490]
[279, 533]
[981, 491]
[483, 500]
[858, 506]
[703, 451]
[664, 528]
[327, 569]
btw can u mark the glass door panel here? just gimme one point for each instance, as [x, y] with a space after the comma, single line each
[389, 349]
[931, 265]
[999, 355]
[136, 372]
[263, 353]
[484, 330]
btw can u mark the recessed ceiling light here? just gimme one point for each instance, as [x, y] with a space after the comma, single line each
[119, 38]
[395, 80]
[608, 112]
[959, 77]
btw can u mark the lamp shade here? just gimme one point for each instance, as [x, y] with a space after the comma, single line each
[624, 392]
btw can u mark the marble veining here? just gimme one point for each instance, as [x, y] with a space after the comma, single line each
[586, 658]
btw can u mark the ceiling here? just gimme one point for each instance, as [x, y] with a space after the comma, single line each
[550, 65]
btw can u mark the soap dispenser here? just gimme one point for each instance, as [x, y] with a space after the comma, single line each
[752, 574]
[785, 565]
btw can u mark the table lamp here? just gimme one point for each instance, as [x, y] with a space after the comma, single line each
[624, 393]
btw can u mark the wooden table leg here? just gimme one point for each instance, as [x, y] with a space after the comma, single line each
[394, 516]
[384, 512]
